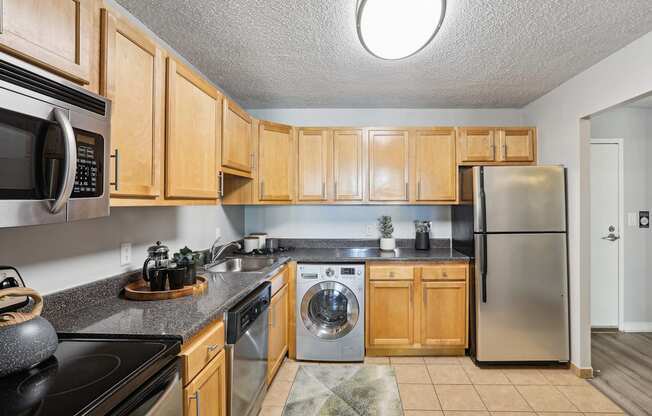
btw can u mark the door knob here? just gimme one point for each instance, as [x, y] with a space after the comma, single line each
[611, 237]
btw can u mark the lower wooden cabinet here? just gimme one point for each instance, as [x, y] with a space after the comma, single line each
[206, 393]
[278, 332]
[416, 309]
[391, 313]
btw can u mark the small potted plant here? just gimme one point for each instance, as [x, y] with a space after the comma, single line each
[386, 229]
[188, 259]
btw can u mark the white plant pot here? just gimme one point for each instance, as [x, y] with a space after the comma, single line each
[387, 244]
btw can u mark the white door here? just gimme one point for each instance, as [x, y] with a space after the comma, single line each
[605, 233]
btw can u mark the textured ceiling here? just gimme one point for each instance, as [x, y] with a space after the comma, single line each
[305, 53]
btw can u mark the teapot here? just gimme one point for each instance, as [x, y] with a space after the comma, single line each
[158, 255]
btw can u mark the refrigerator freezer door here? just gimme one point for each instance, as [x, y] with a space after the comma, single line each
[519, 198]
[525, 316]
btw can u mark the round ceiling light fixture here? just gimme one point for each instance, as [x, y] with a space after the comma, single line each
[396, 29]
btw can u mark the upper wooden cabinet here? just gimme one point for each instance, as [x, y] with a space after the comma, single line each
[313, 162]
[133, 77]
[388, 165]
[275, 162]
[348, 165]
[477, 144]
[517, 144]
[500, 145]
[436, 170]
[193, 135]
[53, 34]
[237, 148]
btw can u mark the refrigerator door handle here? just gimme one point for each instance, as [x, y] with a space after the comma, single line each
[483, 267]
[483, 203]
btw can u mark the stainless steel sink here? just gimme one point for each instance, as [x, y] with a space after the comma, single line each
[242, 264]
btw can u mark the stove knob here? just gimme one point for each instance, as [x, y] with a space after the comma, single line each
[330, 272]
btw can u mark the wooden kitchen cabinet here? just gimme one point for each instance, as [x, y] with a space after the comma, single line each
[443, 314]
[416, 308]
[133, 77]
[313, 164]
[193, 135]
[388, 165]
[53, 34]
[390, 313]
[206, 393]
[348, 165]
[278, 332]
[275, 162]
[237, 146]
[517, 144]
[435, 165]
[477, 144]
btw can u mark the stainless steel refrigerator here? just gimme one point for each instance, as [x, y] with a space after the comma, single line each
[513, 222]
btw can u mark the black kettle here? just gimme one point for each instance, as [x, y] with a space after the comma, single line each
[26, 339]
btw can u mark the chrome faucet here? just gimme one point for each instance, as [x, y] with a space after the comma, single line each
[217, 251]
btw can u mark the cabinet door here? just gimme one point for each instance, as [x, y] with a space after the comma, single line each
[477, 144]
[54, 34]
[348, 165]
[276, 149]
[133, 77]
[391, 313]
[436, 169]
[516, 145]
[443, 314]
[206, 393]
[278, 332]
[236, 139]
[313, 157]
[388, 165]
[193, 135]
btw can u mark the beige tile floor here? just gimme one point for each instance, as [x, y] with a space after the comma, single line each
[454, 386]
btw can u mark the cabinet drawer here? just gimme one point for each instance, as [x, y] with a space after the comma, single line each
[201, 349]
[444, 272]
[280, 280]
[391, 272]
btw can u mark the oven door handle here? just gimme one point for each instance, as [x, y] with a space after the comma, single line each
[69, 163]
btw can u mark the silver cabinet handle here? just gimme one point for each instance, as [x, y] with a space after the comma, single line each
[253, 161]
[611, 237]
[419, 189]
[212, 347]
[116, 182]
[335, 190]
[323, 190]
[406, 191]
[262, 189]
[69, 163]
[220, 179]
[504, 150]
[196, 397]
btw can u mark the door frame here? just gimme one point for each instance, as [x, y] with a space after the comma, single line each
[621, 224]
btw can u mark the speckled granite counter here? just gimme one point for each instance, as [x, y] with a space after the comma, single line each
[98, 309]
[176, 318]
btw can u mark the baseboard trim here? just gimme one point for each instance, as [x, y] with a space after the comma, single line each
[584, 372]
[637, 326]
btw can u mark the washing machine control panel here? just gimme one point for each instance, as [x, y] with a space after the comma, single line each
[330, 271]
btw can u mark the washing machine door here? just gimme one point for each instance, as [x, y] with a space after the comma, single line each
[329, 310]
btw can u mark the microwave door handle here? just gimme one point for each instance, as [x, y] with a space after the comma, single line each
[70, 161]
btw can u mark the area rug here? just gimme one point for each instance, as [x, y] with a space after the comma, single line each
[344, 390]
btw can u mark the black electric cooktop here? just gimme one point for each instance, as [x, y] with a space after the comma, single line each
[85, 377]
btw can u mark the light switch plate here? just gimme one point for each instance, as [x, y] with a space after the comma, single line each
[125, 254]
[370, 230]
[218, 232]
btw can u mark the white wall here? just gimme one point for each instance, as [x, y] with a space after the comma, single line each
[632, 125]
[351, 221]
[366, 117]
[58, 256]
[343, 221]
[616, 79]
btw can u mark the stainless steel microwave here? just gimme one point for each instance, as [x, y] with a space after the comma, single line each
[54, 148]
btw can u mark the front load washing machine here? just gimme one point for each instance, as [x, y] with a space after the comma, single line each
[330, 312]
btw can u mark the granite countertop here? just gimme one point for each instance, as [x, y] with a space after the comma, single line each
[98, 309]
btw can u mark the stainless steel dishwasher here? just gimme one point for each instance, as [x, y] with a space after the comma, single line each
[246, 339]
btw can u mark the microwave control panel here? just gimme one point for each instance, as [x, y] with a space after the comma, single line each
[89, 176]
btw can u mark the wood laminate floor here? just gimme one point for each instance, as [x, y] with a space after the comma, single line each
[624, 362]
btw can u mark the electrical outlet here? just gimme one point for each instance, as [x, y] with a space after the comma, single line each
[125, 254]
[370, 230]
[218, 232]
